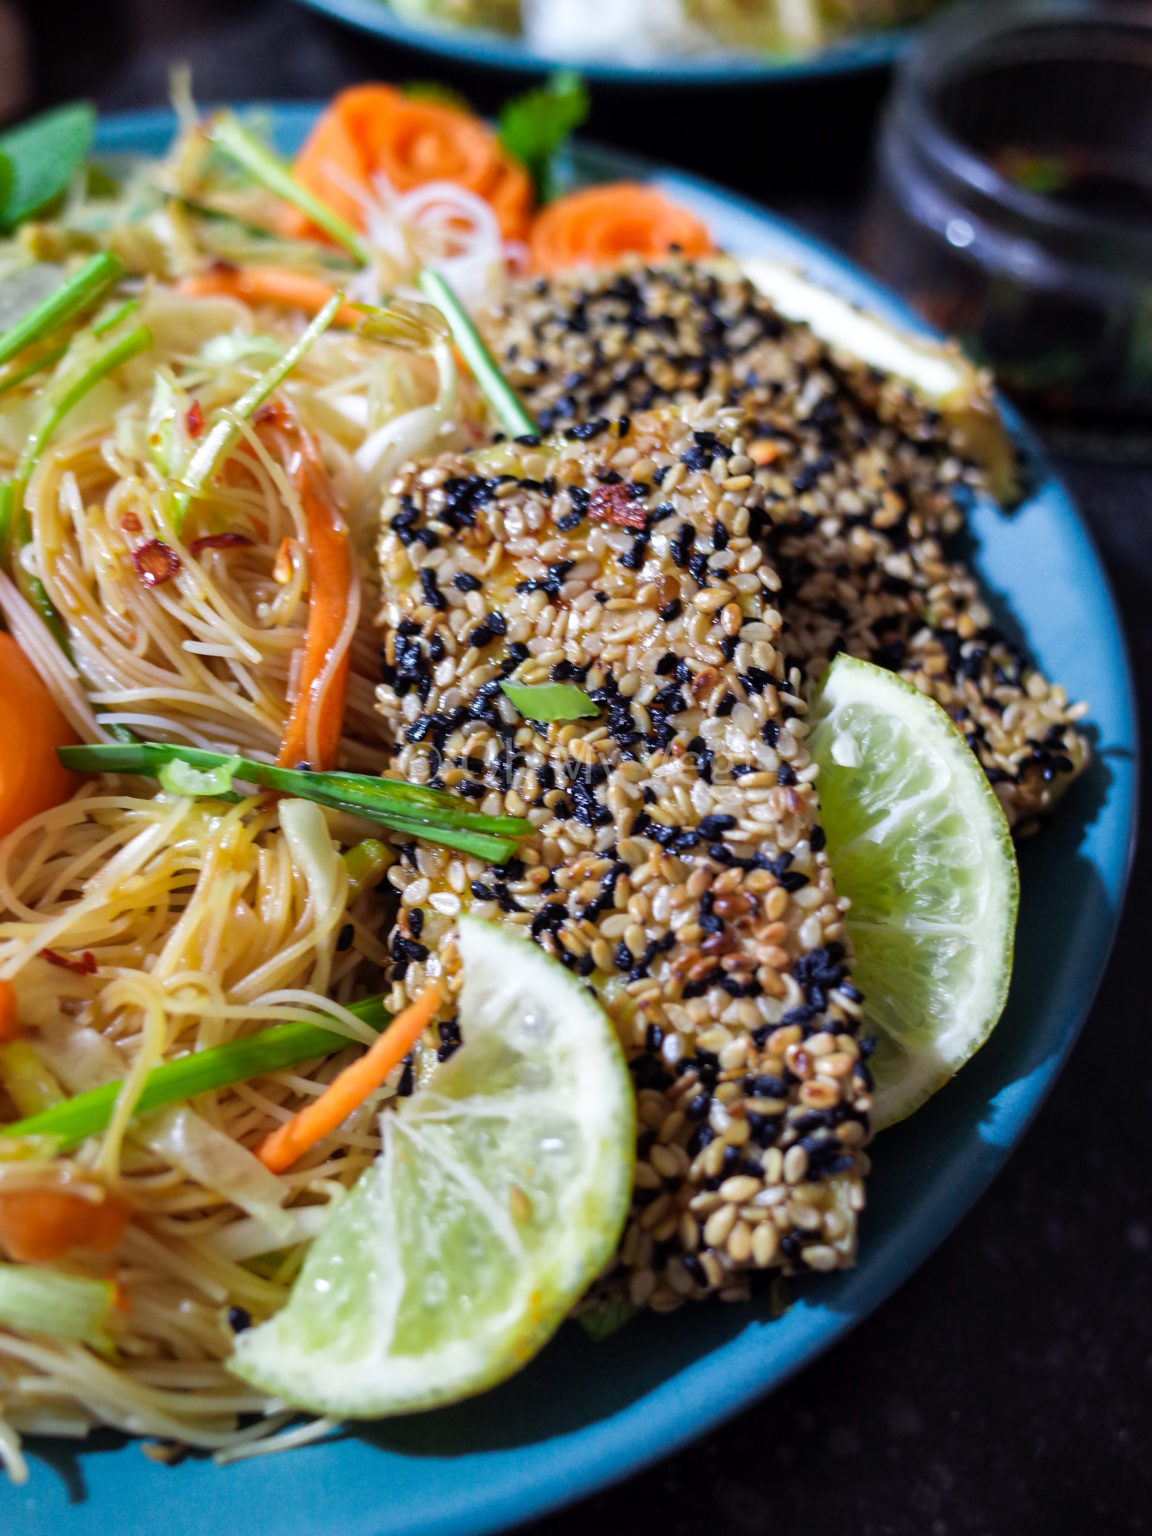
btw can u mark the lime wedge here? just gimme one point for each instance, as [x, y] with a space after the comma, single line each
[500, 1193]
[918, 840]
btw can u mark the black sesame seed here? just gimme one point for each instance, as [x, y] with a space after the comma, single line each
[344, 938]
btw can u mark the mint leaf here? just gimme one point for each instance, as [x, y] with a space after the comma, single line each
[40, 159]
[534, 127]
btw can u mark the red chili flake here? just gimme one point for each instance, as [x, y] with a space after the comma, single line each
[131, 523]
[82, 965]
[218, 541]
[615, 504]
[155, 563]
[194, 419]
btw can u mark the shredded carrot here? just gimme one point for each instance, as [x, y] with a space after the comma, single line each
[38, 1226]
[268, 285]
[31, 728]
[598, 225]
[374, 129]
[349, 1090]
[317, 715]
[9, 1016]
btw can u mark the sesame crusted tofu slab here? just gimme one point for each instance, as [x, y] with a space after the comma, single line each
[868, 445]
[678, 863]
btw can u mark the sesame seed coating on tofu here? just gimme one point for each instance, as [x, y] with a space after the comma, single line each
[678, 863]
[863, 486]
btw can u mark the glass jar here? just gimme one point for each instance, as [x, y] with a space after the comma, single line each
[1012, 198]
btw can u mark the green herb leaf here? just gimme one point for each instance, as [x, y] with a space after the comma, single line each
[534, 127]
[269, 1050]
[40, 159]
[550, 701]
[179, 777]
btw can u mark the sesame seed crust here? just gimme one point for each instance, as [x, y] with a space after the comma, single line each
[677, 862]
[863, 485]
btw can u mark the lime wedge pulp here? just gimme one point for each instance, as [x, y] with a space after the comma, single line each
[500, 1193]
[919, 842]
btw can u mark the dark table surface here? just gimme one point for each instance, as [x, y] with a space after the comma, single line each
[1006, 1389]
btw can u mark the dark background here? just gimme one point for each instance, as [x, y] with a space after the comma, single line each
[1006, 1389]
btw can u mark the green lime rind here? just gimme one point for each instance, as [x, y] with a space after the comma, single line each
[919, 842]
[501, 1193]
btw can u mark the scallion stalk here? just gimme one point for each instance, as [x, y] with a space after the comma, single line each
[496, 389]
[433, 815]
[83, 289]
[228, 133]
[550, 701]
[269, 1050]
[224, 435]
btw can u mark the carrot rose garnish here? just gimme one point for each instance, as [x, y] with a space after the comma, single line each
[375, 129]
[598, 225]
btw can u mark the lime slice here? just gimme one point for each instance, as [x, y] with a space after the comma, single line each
[918, 840]
[500, 1194]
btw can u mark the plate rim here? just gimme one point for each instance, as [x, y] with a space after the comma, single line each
[485, 49]
[600, 1453]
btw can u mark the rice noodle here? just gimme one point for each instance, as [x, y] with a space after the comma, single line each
[202, 925]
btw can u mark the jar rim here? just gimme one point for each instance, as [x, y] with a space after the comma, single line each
[962, 38]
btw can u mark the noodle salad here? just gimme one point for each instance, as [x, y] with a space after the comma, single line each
[417, 912]
[206, 386]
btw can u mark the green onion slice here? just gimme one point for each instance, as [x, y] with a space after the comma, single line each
[550, 701]
[269, 1050]
[433, 815]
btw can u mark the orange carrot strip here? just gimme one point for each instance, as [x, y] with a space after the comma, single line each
[9, 1018]
[38, 1226]
[31, 728]
[318, 710]
[596, 226]
[349, 1090]
[269, 285]
[373, 128]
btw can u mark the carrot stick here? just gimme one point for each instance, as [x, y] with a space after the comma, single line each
[38, 1226]
[596, 226]
[348, 1091]
[317, 715]
[269, 285]
[9, 1019]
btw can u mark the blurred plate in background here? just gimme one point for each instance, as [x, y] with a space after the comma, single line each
[493, 50]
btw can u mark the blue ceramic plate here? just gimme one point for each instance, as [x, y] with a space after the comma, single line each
[495, 50]
[584, 1414]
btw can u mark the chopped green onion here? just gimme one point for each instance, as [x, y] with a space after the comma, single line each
[220, 441]
[87, 284]
[180, 778]
[550, 701]
[366, 862]
[434, 815]
[36, 1300]
[228, 133]
[497, 391]
[37, 365]
[269, 1050]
